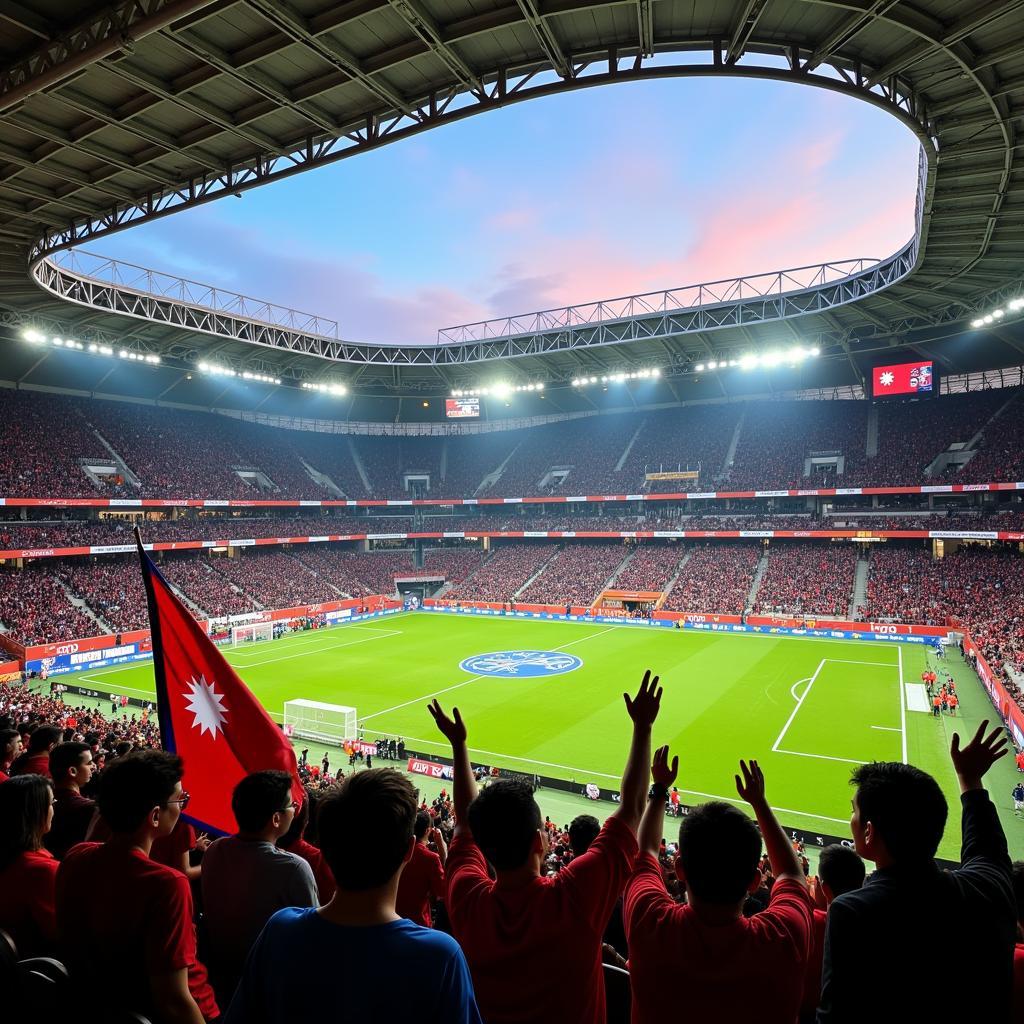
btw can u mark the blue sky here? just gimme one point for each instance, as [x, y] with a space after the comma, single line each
[595, 194]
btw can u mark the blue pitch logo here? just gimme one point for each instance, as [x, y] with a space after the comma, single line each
[521, 664]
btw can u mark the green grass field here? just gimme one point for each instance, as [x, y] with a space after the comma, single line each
[810, 710]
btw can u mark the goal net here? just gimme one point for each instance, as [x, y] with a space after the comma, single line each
[251, 632]
[314, 720]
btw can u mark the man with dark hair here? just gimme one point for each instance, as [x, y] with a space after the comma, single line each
[730, 967]
[888, 931]
[583, 830]
[36, 759]
[380, 965]
[422, 880]
[246, 878]
[534, 942]
[71, 768]
[115, 905]
[840, 870]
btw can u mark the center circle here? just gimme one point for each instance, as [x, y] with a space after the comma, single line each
[521, 664]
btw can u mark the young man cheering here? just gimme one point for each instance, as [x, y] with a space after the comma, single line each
[533, 942]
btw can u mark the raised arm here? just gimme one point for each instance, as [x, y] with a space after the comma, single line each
[983, 839]
[652, 825]
[781, 854]
[643, 710]
[463, 784]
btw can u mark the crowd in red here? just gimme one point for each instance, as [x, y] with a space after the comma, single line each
[807, 578]
[35, 608]
[650, 567]
[507, 569]
[576, 575]
[715, 578]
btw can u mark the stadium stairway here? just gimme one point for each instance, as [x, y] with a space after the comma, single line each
[360, 468]
[755, 583]
[82, 605]
[495, 475]
[547, 562]
[730, 455]
[860, 588]
[629, 447]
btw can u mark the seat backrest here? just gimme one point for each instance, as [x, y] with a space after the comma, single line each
[617, 994]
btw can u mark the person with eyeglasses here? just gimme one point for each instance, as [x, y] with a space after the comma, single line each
[247, 878]
[117, 905]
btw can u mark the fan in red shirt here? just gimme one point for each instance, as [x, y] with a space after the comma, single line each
[294, 841]
[839, 870]
[36, 760]
[534, 942]
[728, 967]
[422, 881]
[27, 870]
[10, 749]
[116, 905]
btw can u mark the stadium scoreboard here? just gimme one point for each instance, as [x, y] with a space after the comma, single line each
[462, 408]
[903, 379]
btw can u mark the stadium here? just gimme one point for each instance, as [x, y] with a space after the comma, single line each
[796, 496]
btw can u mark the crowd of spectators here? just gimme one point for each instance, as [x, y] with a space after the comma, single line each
[576, 575]
[358, 574]
[807, 578]
[503, 573]
[36, 609]
[650, 567]
[1001, 453]
[275, 579]
[112, 588]
[454, 564]
[715, 578]
[204, 588]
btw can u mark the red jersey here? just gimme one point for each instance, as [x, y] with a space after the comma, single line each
[1018, 983]
[537, 943]
[422, 880]
[749, 969]
[37, 764]
[26, 903]
[325, 883]
[134, 913]
[170, 850]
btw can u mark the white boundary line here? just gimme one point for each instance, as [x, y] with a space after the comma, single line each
[820, 757]
[605, 775]
[326, 647]
[880, 664]
[903, 704]
[792, 689]
[466, 682]
[799, 703]
[887, 728]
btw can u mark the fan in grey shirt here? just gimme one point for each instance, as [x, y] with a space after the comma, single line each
[246, 879]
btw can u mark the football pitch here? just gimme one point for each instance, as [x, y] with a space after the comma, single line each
[810, 710]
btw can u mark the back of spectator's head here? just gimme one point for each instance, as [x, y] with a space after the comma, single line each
[582, 832]
[840, 870]
[1018, 889]
[70, 757]
[44, 738]
[296, 830]
[138, 785]
[505, 821]
[25, 815]
[380, 804]
[899, 806]
[258, 797]
[422, 824]
[719, 850]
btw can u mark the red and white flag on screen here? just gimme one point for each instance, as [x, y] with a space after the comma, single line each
[903, 379]
[208, 716]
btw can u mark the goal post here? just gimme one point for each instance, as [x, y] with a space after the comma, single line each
[251, 632]
[325, 723]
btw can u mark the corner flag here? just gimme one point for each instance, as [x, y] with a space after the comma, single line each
[208, 716]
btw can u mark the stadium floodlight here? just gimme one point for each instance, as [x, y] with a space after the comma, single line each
[30, 334]
[699, 367]
[327, 388]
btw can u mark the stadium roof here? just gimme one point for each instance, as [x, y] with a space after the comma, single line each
[111, 115]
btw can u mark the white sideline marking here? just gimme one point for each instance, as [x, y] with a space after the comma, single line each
[880, 664]
[823, 757]
[903, 704]
[295, 640]
[605, 775]
[800, 700]
[466, 682]
[887, 728]
[326, 647]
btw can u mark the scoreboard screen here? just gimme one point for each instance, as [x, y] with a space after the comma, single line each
[903, 379]
[462, 408]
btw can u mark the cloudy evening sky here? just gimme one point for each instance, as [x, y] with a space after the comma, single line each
[606, 192]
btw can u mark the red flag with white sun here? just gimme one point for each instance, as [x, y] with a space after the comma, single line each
[208, 716]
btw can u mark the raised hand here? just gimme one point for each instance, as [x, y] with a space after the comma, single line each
[452, 728]
[643, 708]
[663, 773]
[978, 756]
[751, 786]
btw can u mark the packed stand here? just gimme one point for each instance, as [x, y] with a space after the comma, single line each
[276, 580]
[650, 567]
[695, 438]
[358, 574]
[576, 575]
[808, 579]
[454, 564]
[778, 437]
[715, 578]
[111, 588]
[1000, 455]
[35, 608]
[386, 459]
[205, 588]
[472, 458]
[502, 574]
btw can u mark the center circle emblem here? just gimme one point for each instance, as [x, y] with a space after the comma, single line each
[521, 664]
